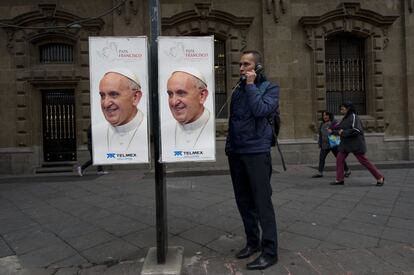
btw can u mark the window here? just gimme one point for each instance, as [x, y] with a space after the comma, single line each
[56, 53]
[220, 77]
[345, 72]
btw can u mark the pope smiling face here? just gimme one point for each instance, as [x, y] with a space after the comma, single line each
[186, 96]
[119, 98]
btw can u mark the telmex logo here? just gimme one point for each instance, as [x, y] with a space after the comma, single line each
[110, 155]
[178, 153]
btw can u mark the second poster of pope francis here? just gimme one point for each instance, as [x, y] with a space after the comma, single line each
[186, 98]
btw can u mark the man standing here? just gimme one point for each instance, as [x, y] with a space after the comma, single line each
[248, 149]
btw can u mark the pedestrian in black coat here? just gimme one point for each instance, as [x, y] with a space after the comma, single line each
[351, 131]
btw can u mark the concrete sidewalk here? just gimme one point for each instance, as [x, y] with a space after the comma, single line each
[65, 224]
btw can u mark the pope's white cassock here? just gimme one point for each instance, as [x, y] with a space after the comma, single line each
[124, 139]
[191, 136]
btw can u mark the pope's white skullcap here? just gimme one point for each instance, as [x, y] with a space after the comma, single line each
[127, 73]
[192, 71]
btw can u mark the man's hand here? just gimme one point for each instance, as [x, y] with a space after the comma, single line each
[250, 77]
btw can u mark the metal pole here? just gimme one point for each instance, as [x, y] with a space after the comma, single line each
[160, 188]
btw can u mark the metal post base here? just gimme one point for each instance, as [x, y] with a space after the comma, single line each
[172, 266]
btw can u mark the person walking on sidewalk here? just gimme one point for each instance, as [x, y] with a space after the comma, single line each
[350, 130]
[81, 168]
[328, 122]
[248, 147]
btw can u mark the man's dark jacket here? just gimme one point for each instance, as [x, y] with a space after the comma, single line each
[249, 128]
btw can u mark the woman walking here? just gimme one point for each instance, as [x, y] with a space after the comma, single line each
[328, 122]
[352, 141]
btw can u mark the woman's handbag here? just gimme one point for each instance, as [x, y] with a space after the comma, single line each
[334, 140]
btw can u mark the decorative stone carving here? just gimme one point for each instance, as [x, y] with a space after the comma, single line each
[349, 17]
[127, 8]
[276, 8]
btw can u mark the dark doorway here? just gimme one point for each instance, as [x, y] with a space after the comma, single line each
[345, 72]
[59, 136]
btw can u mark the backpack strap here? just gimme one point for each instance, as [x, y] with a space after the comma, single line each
[275, 115]
[263, 86]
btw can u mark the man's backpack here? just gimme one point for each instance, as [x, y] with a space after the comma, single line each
[274, 121]
[274, 117]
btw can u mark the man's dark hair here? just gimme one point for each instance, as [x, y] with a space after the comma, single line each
[256, 55]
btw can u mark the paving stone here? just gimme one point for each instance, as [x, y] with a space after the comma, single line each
[403, 210]
[72, 261]
[67, 271]
[142, 238]
[89, 240]
[361, 228]
[179, 225]
[98, 269]
[35, 242]
[46, 256]
[292, 263]
[320, 262]
[401, 223]
[36, 271]
[125, 268]
[334, 203]
[311, 230]
[324, 245]
[5, 249]
[361, 260]
[14, 224]
[223, 223]
[378, 210]
[368, 217]
[293, 242]
[74, 230]
[350, 239]
[399, 235]
[90, 211]
[299, 205]
[289, 213]
[339, 212]
[112, 251]
[227, 244]
[119, 225]
[59, 223]
[201, 234]
[190, 248]
[322, 219]
[401, 256]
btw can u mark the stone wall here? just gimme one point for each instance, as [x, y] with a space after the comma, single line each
[285, 31]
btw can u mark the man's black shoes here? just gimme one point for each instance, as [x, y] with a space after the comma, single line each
[262, 262]
[247, 252]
